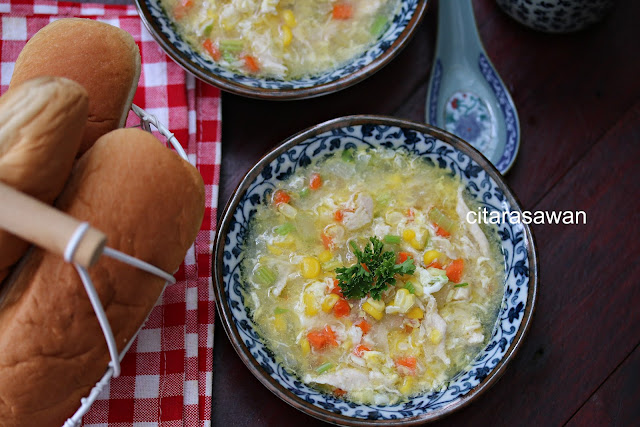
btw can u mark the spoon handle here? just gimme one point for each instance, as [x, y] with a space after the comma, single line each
[457, 29]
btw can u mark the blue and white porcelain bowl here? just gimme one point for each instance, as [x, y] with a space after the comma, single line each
[440, 148]
[384, 50]
[556, 16]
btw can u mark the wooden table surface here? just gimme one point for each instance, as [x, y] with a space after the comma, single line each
[578, 98]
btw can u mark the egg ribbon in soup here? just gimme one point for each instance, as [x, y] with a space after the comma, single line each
[285, 39]
[366, 280]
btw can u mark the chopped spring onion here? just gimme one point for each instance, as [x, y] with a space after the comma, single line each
[324, 367]
[347, 155]
[441, 219]
[284, 229]
[409, 286]
[391, 239]
[265, 275]
[461, 285]
[231, 45]
[378, 26]
[331, 265]
[304, 192]
[228, 56]
[280, 310]
[383, 199]
[207, 30]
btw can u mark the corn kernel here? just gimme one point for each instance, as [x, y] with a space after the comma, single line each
[374, 312]
[430, 256]
[287, 242]
[305, 346]
[415, 244]
[435, 336]
[402, 302]
[280, 323]
[325, 256]
[407, 385]
[274, 250]
[329, 301]
[408, 234]
[310, 267]
[415, 313]
[289, 18]
[287, 35]
[376, 304]
[395, 179]
[310, 306]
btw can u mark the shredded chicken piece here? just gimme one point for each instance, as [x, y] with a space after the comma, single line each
[362, 215]
[431, 321]
[347, 379]
[474, 228]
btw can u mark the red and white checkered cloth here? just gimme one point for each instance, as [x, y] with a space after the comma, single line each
[167, 374]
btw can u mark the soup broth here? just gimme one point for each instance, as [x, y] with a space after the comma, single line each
[366, 280]
[285, 39]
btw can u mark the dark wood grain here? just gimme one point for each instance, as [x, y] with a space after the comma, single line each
[578, 98]
[615, 403]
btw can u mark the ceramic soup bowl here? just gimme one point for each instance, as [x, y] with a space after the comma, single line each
[556, 16]
[439, 148]
[388, 45]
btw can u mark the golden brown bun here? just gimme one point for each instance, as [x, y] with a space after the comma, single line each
[102, 58]
[41, 125]
[150, 204]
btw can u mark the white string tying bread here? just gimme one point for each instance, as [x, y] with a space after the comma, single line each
[80, 245]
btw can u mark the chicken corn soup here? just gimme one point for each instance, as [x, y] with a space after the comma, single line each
[366, 280]
[285, 39]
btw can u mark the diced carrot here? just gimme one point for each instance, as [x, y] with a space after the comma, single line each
[403, 256]
[331, 336]
[441, 231]
[281, 196]
[342, 11]
[179, 11]
[336, 288]
[212, 49]
[338, 215]
[186, 3]
[327, 241]
[341, 308]
[317, 340]
[360, 349]
[364, 325]
[435, 264]
[408, 362]
[410, 213]
[339, 392]
[454, 270]
[315, 181]
[251, 62]
[320, 339]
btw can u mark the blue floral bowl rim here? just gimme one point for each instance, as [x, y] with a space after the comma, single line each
[284, 94]
[226, 315]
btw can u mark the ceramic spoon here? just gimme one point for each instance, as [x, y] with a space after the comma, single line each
[466, 96]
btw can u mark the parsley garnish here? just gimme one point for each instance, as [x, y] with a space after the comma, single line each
[357, 281]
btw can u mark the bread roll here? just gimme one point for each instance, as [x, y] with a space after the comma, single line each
[41, 125]
[150, 204]
[102, 58]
